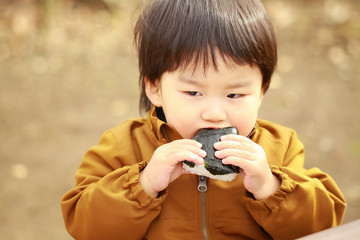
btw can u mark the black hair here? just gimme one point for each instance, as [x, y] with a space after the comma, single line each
[175, 33]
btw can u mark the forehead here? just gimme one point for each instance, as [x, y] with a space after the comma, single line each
[229, 74]
[202, 65]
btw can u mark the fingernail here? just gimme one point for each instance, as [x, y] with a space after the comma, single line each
[203, 153]
[216, 145]
[217, 154]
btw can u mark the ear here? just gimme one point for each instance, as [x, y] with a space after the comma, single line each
[261, 97]
[153, 92]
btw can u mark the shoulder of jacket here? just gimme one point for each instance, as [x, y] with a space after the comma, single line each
[125, 136]
[127, 128]
[280, 143]
[130, 123]
[275, 130]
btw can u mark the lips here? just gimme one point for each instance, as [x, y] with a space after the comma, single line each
[213, 127]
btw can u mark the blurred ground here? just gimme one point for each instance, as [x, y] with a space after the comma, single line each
[68, 72]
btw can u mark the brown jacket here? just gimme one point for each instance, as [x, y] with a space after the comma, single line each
[108, 201]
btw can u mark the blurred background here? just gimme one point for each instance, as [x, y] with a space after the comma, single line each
[68, 72]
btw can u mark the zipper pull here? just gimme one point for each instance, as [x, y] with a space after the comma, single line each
[202, 187]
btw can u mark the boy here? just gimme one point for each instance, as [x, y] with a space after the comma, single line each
[203, 64]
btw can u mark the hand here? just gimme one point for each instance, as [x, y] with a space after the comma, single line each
[165, 165]
[251, 159]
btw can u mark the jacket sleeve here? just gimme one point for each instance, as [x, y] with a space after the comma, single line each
[307, 201]
[108, 200]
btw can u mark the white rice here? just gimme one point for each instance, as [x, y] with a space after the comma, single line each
[202, 171]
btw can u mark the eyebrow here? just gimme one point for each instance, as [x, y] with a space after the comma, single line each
[239, 84]
[234, 85]
[190, 81]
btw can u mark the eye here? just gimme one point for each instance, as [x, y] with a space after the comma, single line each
[233, 95]
[193, 93]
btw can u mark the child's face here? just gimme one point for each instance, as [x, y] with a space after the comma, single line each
[191, 100]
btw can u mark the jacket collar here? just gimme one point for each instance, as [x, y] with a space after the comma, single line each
[163, 132]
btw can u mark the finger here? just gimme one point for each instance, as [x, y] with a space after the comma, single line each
[188, 145]
[244, 140]
[198, 151]
[235, 137]
[189, 142]
[186, 156]
[239, 162]
[235, 145]
[235, 153]
[178, 171]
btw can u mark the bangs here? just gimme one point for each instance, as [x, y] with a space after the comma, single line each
[219, 30]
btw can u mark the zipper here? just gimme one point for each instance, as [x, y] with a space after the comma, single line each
[202, 187]
[164, 132]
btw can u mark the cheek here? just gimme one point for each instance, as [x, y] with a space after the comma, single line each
[183, 121]
[244, 121]
[179, 117]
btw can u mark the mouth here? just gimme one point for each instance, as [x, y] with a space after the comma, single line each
[215, 129]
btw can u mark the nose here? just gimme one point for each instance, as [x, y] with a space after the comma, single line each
[213, 112]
